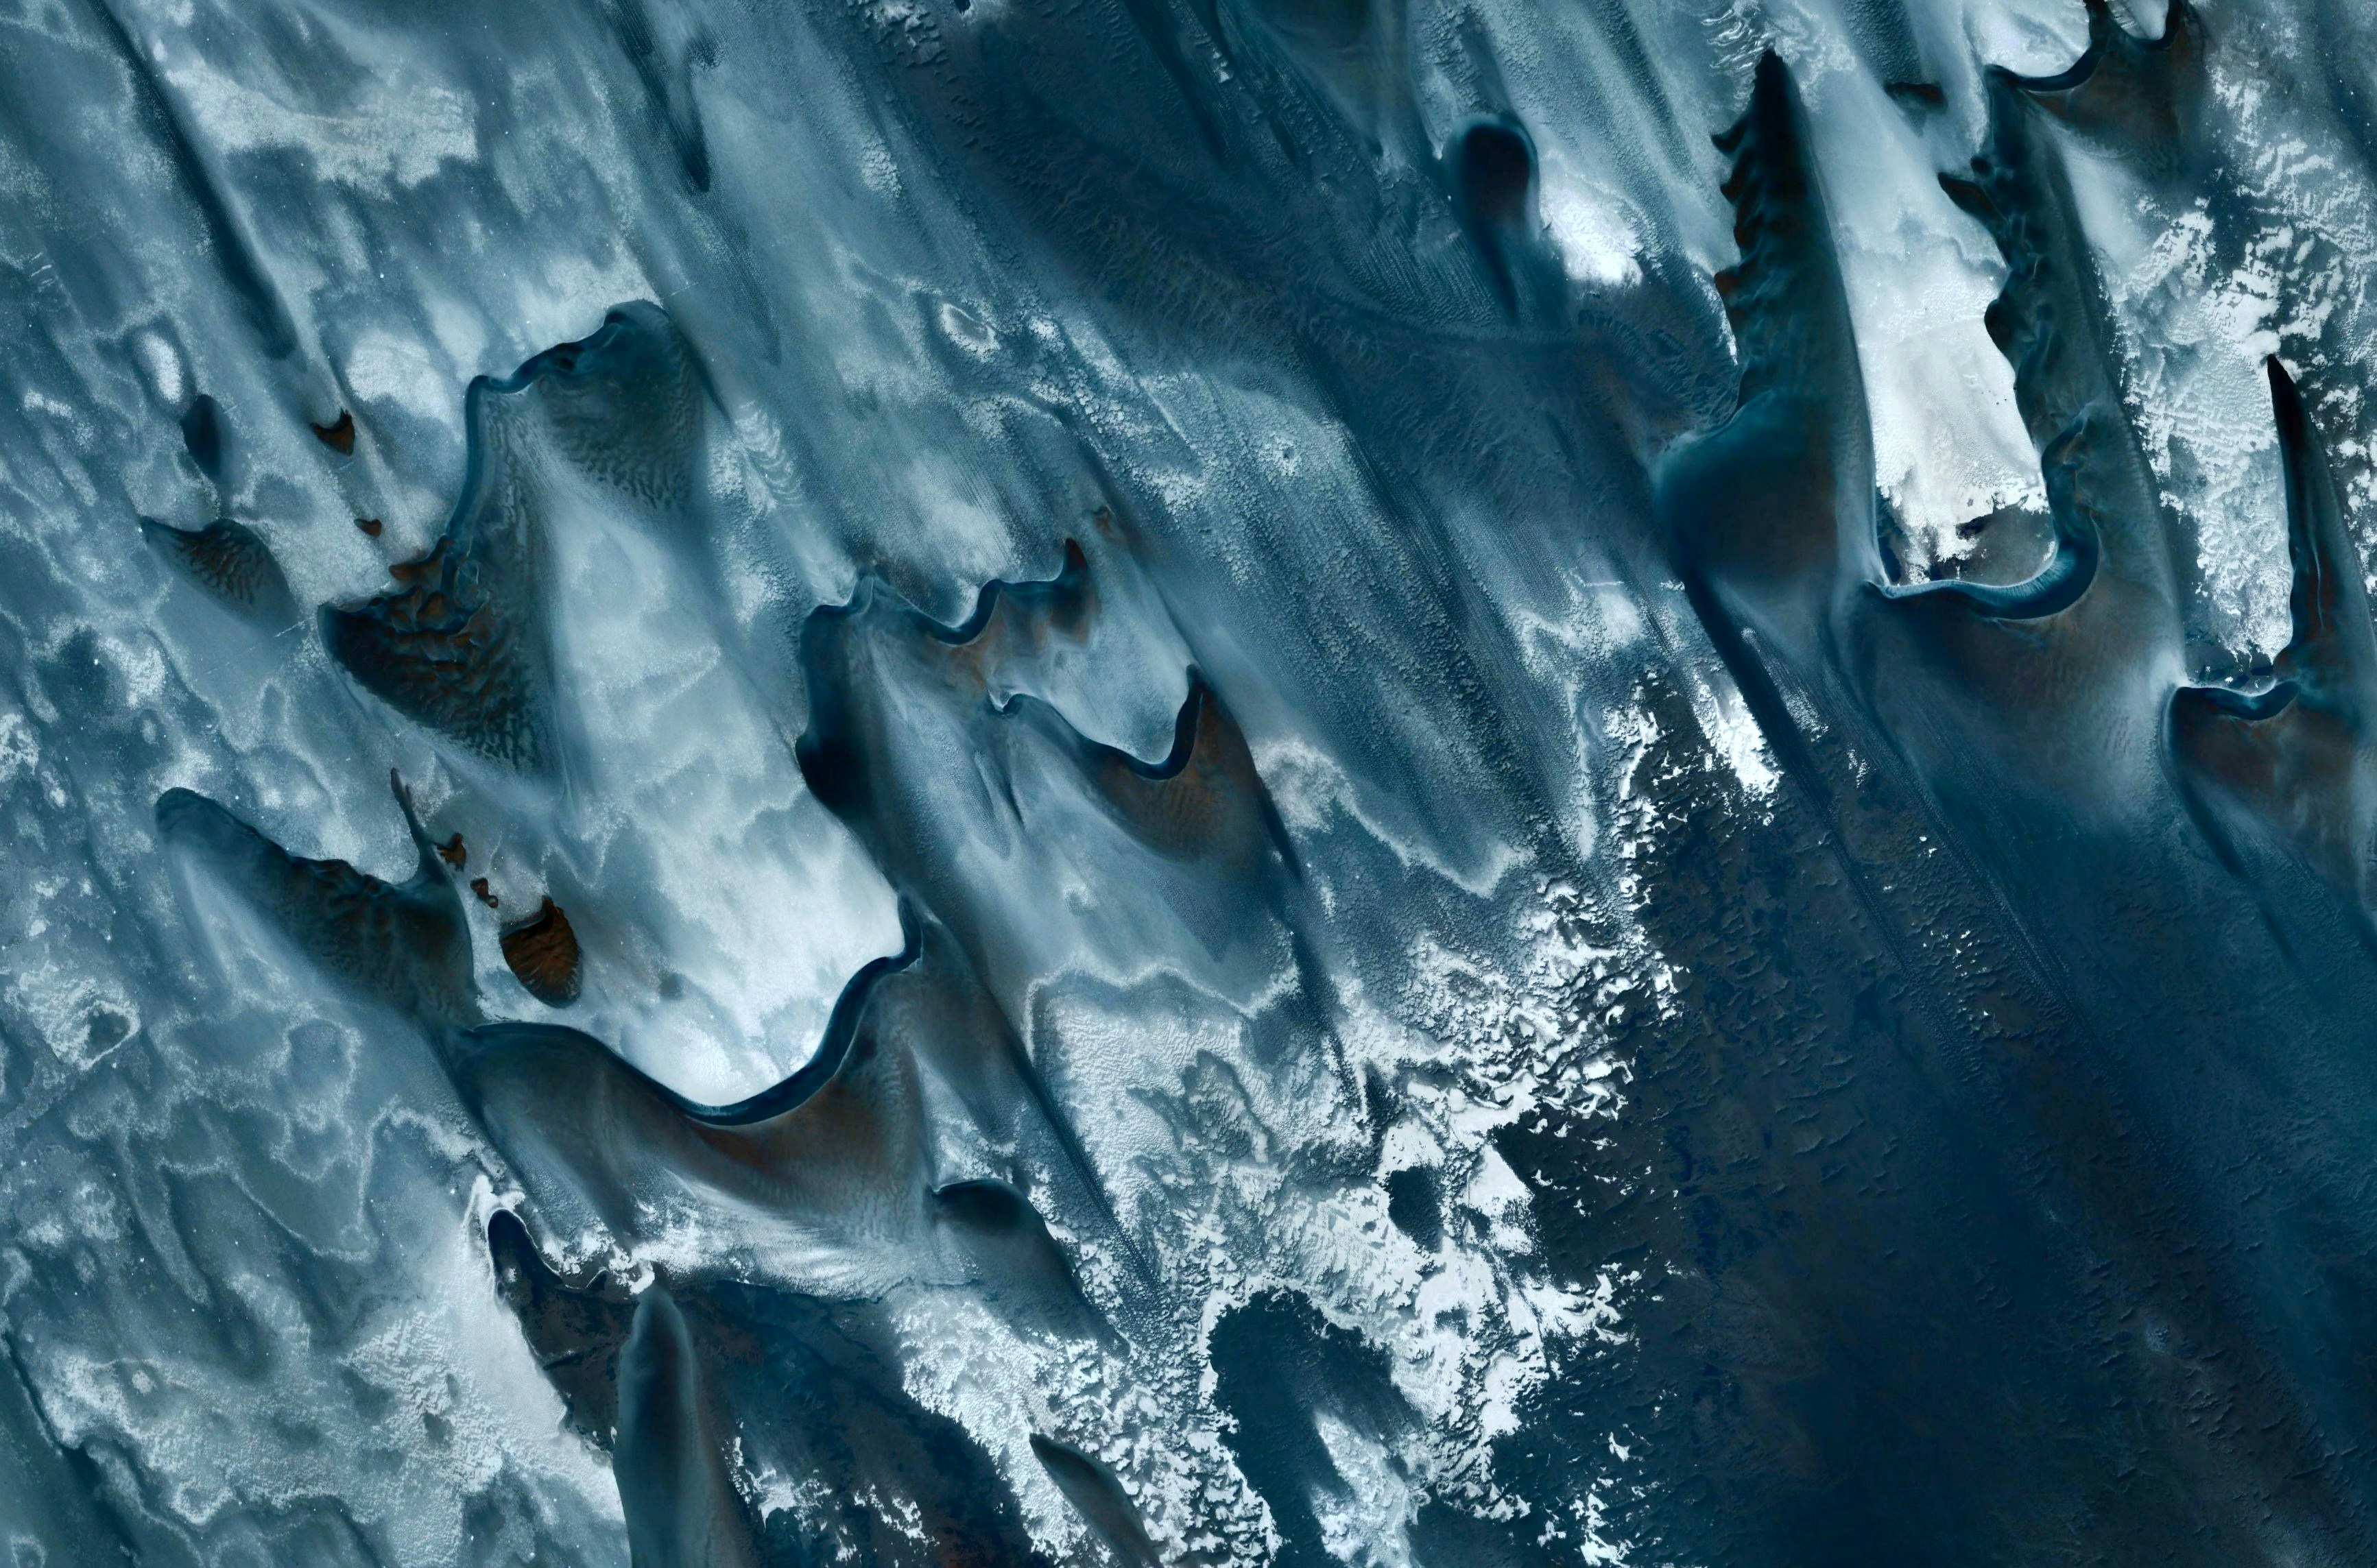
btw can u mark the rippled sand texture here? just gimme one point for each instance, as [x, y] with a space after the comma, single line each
[1416, 783]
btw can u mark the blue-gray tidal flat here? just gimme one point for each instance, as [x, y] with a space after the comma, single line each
[1421, 783]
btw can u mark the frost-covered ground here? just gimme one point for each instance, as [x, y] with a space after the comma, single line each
[1309, 794]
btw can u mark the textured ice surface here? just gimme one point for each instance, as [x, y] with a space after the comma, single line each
[1187, 782]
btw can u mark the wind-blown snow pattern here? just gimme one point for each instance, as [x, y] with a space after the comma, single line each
[1414, 783]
